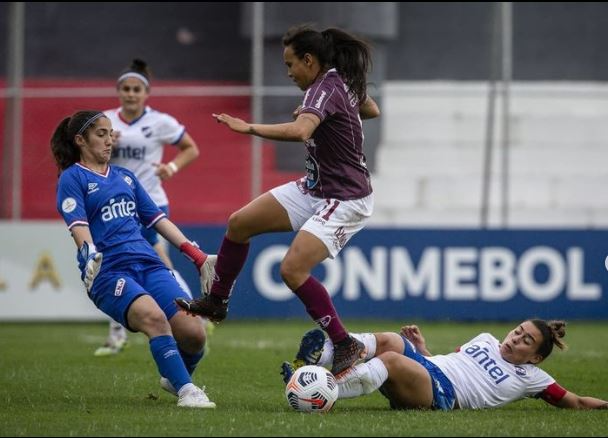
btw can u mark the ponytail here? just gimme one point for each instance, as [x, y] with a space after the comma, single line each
[352, 59]
[334, 48]
[65, 150]
[552, 333]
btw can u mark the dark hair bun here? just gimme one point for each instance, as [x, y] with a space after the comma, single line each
[139, 64]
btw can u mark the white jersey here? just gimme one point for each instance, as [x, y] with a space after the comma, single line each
[483, 379]
[141, 144]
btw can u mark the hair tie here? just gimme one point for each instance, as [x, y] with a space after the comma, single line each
[132, 74]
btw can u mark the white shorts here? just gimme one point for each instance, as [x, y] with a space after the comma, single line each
[334, 222]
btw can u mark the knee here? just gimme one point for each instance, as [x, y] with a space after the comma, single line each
[191, 339]
[392, 361]
[154, 323]
[236, 224]
[290, 273]
[386, 342]
[197, 340]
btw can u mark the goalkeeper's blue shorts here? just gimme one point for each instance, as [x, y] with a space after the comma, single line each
[114, 291]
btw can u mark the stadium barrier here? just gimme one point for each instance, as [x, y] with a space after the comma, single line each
[39, 276]
[381, 273]
[433, 274]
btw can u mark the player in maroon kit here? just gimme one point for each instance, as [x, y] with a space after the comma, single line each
[326, 207]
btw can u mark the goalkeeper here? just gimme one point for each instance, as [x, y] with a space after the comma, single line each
[104, 207]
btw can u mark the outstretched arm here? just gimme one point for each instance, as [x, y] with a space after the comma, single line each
[169, 231]
[573, 401]
[204, 263]
[300, 129]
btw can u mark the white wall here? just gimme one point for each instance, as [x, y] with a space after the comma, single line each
[24, 246]
[429, 165]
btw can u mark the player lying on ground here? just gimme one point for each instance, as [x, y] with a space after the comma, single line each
[483, 373]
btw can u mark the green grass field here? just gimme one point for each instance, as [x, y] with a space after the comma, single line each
[51, 385]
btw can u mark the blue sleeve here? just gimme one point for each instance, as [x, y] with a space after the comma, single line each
[70, 199]
[148, 211]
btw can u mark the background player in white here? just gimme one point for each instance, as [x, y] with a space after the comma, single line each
[331, 203]
[104, 207]
[483, 373]
[140, 135]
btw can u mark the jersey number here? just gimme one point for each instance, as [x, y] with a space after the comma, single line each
[332, 208]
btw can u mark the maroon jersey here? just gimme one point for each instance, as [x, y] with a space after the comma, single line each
[335, 166]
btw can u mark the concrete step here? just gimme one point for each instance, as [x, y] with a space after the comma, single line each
[401, 159]
[395, 216]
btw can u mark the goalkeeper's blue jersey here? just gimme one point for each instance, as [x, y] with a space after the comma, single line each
[113, 205]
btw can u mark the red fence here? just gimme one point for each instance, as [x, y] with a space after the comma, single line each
[206, 192]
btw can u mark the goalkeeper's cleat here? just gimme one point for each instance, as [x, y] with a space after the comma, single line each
[111, 347]
[191, 396]
[311, 348]
[346, 354]
[287, 370]
[167, 386]
[208, 273]
[210, 306]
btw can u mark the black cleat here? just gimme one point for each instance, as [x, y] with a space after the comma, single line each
[346, 354]
[311, 348]
[309, 353]
[211, 307]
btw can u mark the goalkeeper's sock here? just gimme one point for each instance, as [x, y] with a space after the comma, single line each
[169, 361]
[320, 308]
[230, 260]
[191, 360]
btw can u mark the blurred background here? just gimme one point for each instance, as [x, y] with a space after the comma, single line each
[488, 161]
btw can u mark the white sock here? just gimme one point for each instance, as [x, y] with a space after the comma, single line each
[327, 357]
[363, 379]
[182, 283]
[117, 331]
[368, 339]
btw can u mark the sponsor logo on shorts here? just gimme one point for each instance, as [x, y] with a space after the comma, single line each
[120, 285]
[340, 238]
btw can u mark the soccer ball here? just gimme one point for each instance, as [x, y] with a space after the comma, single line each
[312, 389]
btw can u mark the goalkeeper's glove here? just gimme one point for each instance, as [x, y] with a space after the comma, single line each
[205, 263]
[89, 262]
